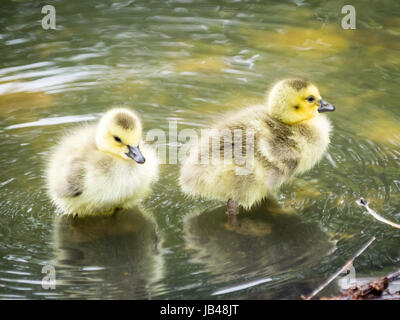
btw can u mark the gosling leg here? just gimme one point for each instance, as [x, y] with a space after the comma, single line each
[232, 212]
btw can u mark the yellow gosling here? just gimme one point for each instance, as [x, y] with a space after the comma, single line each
[98, 168]
[291, 134]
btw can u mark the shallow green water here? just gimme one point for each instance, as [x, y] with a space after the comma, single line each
[191, 62]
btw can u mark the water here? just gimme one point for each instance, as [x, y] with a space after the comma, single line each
[191, 62]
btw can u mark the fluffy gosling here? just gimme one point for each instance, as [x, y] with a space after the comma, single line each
[98, 168]
[291, 134]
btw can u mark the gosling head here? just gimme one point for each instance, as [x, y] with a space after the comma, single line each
[119, 132]
[295, 100]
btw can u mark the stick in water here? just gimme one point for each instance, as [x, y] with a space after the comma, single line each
[364, 203]
[341, 270]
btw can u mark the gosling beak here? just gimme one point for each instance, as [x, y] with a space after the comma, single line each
[135, 154]
[325, 106]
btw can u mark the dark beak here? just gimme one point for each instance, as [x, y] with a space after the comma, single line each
[325, 106]
[135, 154]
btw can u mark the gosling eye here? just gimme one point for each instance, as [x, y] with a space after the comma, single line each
[310, 99]
[297, 107]
[117, 139]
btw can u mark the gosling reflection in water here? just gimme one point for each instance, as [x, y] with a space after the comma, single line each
[266, 241]
[114, 256]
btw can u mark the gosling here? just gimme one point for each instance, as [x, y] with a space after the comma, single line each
[290, 135]
[99, 168]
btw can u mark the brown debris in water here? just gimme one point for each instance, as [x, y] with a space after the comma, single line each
[374, 290]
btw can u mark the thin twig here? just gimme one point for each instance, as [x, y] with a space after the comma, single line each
[394, 276]
[341, 270]
[364, 203]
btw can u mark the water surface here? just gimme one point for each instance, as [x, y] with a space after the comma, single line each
[191, 62]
